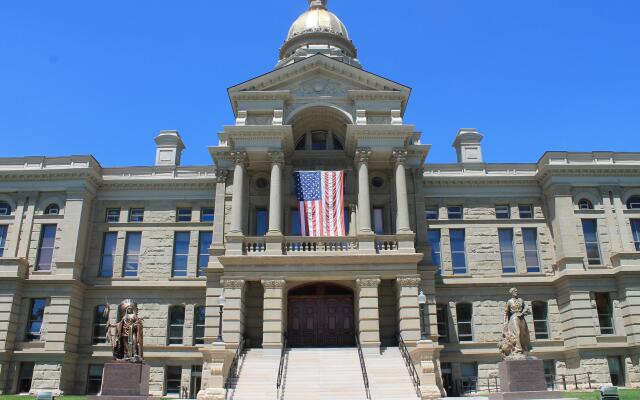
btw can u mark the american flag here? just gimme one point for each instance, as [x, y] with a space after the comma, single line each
[320, 202]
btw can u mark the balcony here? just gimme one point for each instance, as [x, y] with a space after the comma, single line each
[308, 246]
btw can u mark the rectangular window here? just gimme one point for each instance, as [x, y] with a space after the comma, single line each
[136, 215]
[132, 254]
[262, 221]
[319, 140]
[113, 215]
[605, 313]
[503, 212]
[295, 222]
[540, 319]
[45, 249]
[378, 220]
[431, 213]
[108, 254]
[506, 251]
[590, 231]
[176, 324]
[198, 325]
[530, 239]
[469, 375]
[455, 212]
[94, 379]
[458, 254]
[183, 215]
[635, 229]
[181, 253]
[25, 377]
[206, 214]
[464, 312]
[525, 211]
[347, 220]
[100, 322]
[433, 236]
[3, 239]
[204, 242]
[173, 380]
[550, 373]
[442, 317]
[616, 371]
[36, 317]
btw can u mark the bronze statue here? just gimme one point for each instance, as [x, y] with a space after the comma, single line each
[516, 341]
[126, 336]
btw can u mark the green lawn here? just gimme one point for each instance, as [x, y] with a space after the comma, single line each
[628, 394]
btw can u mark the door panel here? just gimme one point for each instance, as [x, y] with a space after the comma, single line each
[321, 321]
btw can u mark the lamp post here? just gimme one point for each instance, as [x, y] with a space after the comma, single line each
[221, 301]
[422, 300]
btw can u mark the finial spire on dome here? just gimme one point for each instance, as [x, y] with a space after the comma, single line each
[317, 4]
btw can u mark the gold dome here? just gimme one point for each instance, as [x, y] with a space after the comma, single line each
[318, 19]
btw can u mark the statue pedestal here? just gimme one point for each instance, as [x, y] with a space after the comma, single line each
[124, 380]
[523, 379]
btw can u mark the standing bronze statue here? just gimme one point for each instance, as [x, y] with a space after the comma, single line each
[516, 341]
[126, 336]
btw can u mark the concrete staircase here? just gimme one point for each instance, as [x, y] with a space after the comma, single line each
[389, 378]
[257, 375]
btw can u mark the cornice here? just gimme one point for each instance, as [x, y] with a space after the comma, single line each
[261, 95]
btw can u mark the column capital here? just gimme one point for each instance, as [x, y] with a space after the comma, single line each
[276, 157]
[362, 155]
[368, 282]
[274, 283]
[408, 281]
[222, 175]
[239, 157]
[233, 283]
[399, 156]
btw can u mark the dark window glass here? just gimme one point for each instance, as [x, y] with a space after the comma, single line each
[455, 212]
[616, 371]
[633, 203]
[605, 314]
[198, 325]
[94, 379]
[176, 324]
[469, 377]
[506, 250]
[635, 229]
[45, 250]
[100, 322]
[3, 239]
[464, 312]
[173, 380]
[204, 242]
[262, 221]
[319, 140]
[132, 254]
[25, 377]
[5, 208]
[503, 212]
[431, 213]
[590, 231]
[52, 209]
[458, 256]
[347, 220]
[540, 316]
[442, 314]
[301, 144]
[295, 222]
[526, 211]
[550, 373]
[183, 215]
[337, 144]
[136, 215]
[433, 235]
[113, 215]
[181, 253]
[36, 316]
[108, 254]
[530, 239]
[585, 204]
[378, 220]
[206, 214]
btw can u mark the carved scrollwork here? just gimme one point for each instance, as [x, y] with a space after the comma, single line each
[399, 156]
[368, 282]
[408, 281]
[222, 175]
[274, 283]
[238, 157]
[276, 157]
[363, 155]
[233, 283]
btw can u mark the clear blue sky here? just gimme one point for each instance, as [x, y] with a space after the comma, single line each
[104, 77]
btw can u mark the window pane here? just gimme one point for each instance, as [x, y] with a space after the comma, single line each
[605, 314]
[99, 324]
[633, 203]
[25, 377]
[433, 236]
[431, 213]
[204, 243]
[132, 251]
[94, 379]
[530, 238]
[5, 208]
[319, 140]
[183, 215]
[47, 242]
[181, 253]
[113, 215]
[458, 258]
[262, 221]
[36, 316]
[3, 239]
[206, 214]
[173, 378]
[506, 250]
[454, 212]
[199, 321]
[108, 253]
[295, 222]
[635, 228]
[503, 212]
[136, 215]
[442, 316]
[378, 221]
[590, 231]
[526, 211]
[176, 324]
[540, 323]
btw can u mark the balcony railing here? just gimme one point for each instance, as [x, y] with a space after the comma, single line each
[300, 245]
[386, 243]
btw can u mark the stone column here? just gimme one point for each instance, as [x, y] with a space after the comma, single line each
[368, 313]
[220, 200]
[408, 309]
[233, 317]
[563, 222]
[353, 221]
[402, 217]
[274, 236]
[237, 202]
[364, 202]
[273, 313]
[75, 227]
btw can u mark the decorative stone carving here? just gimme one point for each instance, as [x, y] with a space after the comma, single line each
[274, 283]
[222, 175]
[363, 155]
[399, 156]
[320, 87]
[278, 116]
[368, 282]
[239, 157]
[408, 281]
[241, 120]
[233, 283]
[277, 157]
[126, 336]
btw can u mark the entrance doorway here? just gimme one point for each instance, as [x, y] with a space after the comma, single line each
[321, 315]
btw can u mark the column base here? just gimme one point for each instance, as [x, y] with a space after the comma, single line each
[366, 242]
[274, 243]
[212, 394]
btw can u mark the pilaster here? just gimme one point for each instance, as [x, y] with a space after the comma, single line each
[366, 237]
[408, 309]
[368, 313]
[233, 317]
[69, 258]
[563, 223]
[273, 313]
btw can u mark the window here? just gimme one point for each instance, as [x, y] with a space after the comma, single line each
[136, 215]
[632, 204]
[525, 211]
[301, 144]
[540, 317]
[198, 325]
[377, 219]
[431, 213]
[176, 324]
[469, 375]
[181, 253]
[183, 215]
[262, 221]
[132, 254]
[100, 321]
[550, 373]
[616, 371]
[442, 317]
[458, 255]
[5, 208]
[196, 380]
[454, 212]
[347, 219]
[590, 231]
[635, 229]
[204, 242]
[295, 222]
[605, 314]
[25, 377]
[585, 204]
[36, 316]
[433, 235]
[94, 379]
[113, 215]
[506, 250]
[173, 380]
[337, 144]
[206, 214]
[465, 322]
[3, 238]
[318, 140]
[45, 249]
[108, 254]
[503, 212]
[52, 209]
[530, 238]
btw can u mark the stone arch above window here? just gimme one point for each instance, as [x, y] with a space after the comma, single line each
[585, 204]
[586, 200]
[5, 208]
[52, 209]
[633, 203]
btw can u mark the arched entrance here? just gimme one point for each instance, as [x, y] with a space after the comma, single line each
[321, 315]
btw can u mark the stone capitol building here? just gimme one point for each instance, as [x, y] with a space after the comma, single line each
[77, 237]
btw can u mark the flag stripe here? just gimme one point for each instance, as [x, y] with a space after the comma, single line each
[321, 202]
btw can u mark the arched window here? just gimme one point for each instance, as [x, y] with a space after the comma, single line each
[633, 203]
[176, 324]
[5, 208]
[100, 320]
[52, 209]
[585, 204]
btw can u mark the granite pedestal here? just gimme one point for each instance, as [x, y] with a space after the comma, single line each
[523, 379]
[124, 380]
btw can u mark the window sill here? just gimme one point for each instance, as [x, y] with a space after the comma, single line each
[588, 212]
[125, 278]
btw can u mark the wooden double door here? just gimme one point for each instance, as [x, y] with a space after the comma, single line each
[321, 321]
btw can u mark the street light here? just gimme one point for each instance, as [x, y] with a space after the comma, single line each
[221, 301]
[422, 300]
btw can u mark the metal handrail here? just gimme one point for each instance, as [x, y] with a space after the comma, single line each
[281, 367]
[413, 373]
[233, 369]
[363, 367]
